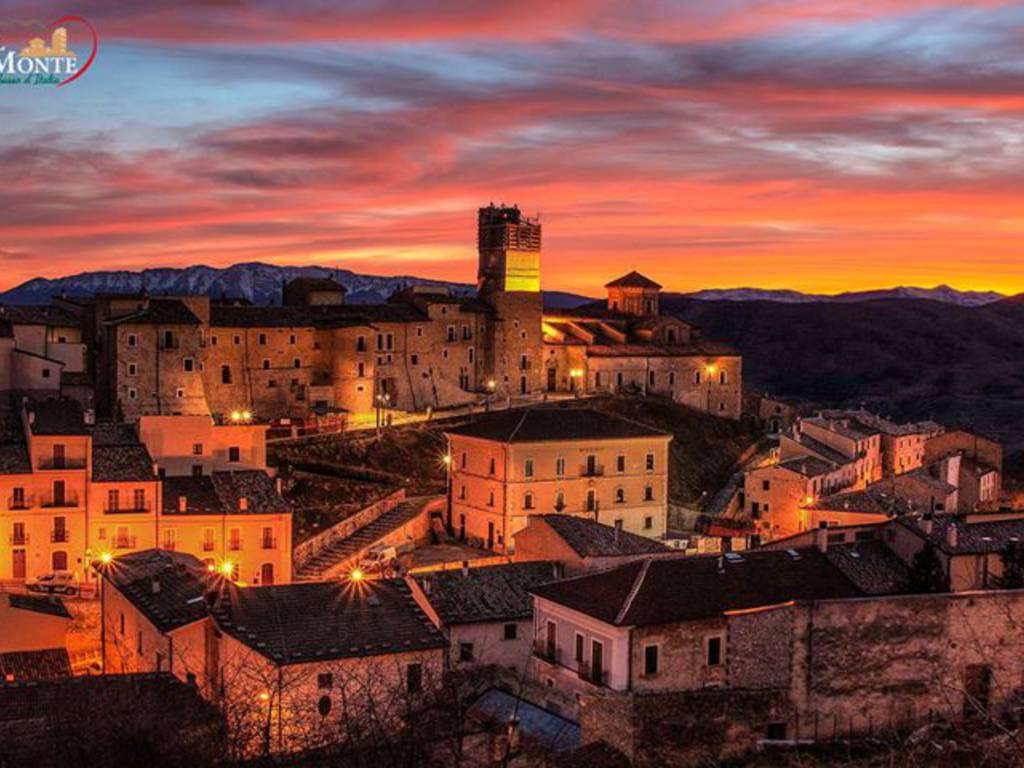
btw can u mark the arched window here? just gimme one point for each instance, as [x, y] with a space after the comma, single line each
[324, 706]
[559, 501]
[620, 495]
[648, 493]
[528, 501]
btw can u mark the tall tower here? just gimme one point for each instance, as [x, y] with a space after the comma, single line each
[508, 279]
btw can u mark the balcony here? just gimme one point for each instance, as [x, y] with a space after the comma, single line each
[19, 539]
[124, 542]
[546, 652]
[592, 470]
[61, 462]
[597, 677]
[18, 503]
[58, 502]
[170, 546]
[60, 536]
[268, 542]
[131, 509]
[208, 546]
[235, 545]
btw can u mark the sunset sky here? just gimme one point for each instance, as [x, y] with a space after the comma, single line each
[820, 145]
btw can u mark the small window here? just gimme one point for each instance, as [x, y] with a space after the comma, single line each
[291, 338]
[650, 660]
[266, 363]
[133, 369]
[465, 652]
[491, 466]
[297, 363]
[650, 462]
[133, 340]
[233, 453]
[648, 493]
[325, 681]
[132, 394]
[579, 647]
[528, 501]
[237, 339]
[648, 523]
[620, 463]
[324, 706]
[511, 631]
[766, 485]
[213, 341]
[528, 468]
[263, 339]
[188, 364]
[560, 466]
[713, 656]
[414, 359]
[490, 498]
[620, 495]
[225, 374]
[414, 678]
[46, 373]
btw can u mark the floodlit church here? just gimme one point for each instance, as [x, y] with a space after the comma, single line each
[426, 347]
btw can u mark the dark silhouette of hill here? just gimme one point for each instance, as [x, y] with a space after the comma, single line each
[906, 358]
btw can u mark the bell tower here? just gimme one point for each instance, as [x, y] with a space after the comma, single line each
[508, 279]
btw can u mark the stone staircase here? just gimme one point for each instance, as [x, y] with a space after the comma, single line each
[331, 559]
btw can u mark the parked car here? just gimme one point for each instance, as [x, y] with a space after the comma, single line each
[63, 582]
[379, 558]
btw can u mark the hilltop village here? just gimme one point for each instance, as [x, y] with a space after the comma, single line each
[456, 530]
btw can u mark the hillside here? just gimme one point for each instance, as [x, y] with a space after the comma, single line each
[906, 358]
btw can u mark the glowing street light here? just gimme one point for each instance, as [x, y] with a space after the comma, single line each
[356, 575]
[106, 558]
[227, 567]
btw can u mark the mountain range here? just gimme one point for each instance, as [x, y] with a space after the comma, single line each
[261, 284]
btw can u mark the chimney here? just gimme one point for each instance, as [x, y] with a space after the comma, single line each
[952, 536]
[821, 539]
[279, 485]
[89, 416]
[243, 504]
[155, 585]
[183, 503]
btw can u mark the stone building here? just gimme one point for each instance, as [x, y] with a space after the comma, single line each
[425, 348]
[625, 345]
[506, 467]
[291, 666]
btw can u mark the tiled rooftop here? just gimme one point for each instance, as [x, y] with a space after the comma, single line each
[52, 606]
[589, 538]
[974, 535]
[872, 566]
[160, 312]
[57, 417]
[182, 580]
[221, 492]
[535, 425]
[30, 666]
[489, 593]
[664, 590]
[121, 463]
[317, 621]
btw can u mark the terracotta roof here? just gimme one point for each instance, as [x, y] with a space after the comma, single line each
[51, 606]
[633, 280]
[808, 466]
[854, 502]
[973, 538]
[220, 493]
[316, 621]
[588, 538]
[686, 588]
[14, 459]
[535, 425]
[39, 315]
[182, 580]
[160, 312]
[113, 433]
[28, 666]
[872, 566]
[121, 463]
[57, 417]
[490, 593]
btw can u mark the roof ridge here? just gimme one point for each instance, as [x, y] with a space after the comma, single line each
[519, 425]
[637, 583]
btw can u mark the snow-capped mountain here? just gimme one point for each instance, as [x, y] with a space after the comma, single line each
[261, 284]
[941, 293]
